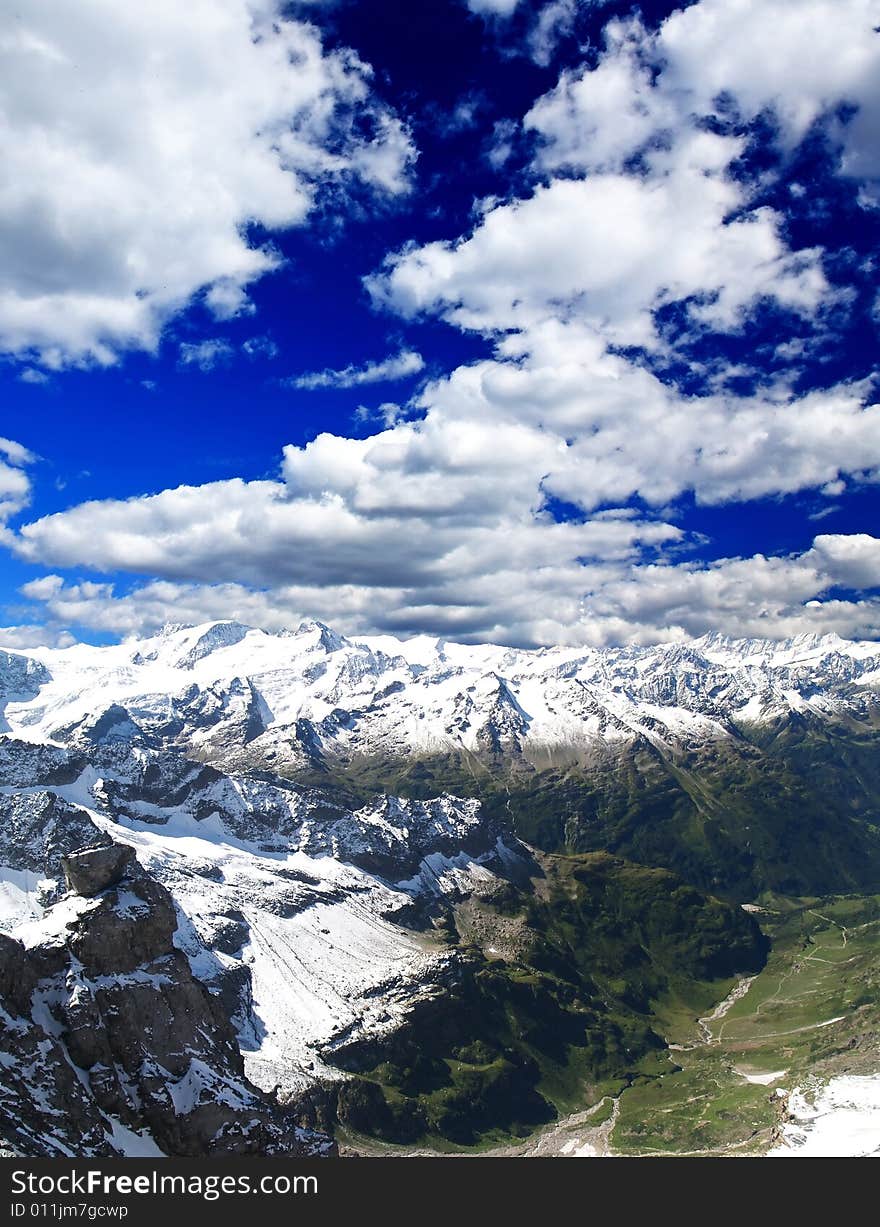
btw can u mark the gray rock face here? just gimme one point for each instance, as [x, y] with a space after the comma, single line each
[131, 924]
[37, 830]
[44, 1108]
[20, 678]
[106, 1026]
[25, 764]
[94, 869]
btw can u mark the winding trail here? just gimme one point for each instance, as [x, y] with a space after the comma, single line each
[829, 921]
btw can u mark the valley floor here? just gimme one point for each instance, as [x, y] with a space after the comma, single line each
[787, 1064]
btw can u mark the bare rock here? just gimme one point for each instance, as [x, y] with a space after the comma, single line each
[105, 1021]
[92, 870]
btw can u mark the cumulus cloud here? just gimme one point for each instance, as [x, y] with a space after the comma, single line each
[16, 453]
[260, 347]
[800, 59]
[758, 596]
[596, 118]
[375, 512]
[609, 250]
[400, 366]
[646, 603]
[492, 8]
[853, 559]
[389, 413]
[621, 432]
[445, 525]
[609, 242]
[36, 636]
[552, 21]
[450, 523]
[226, 299]
[555, 20]
[205, 354]
[412, 528]
[122, 201]
[15, 485]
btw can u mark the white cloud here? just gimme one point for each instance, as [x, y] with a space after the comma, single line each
[647, 603]
[442, 524]
[758, 596]
[612, 245]
[501, 143]
[555, 20]
[621, 432]
[122, 201]
[801, 58]
[226, 299]
[44, 588]
[16, 453]
[853, 560]
[400, 366]
[24, 637]
[418, 526]
[31, 375]
[608, 250]
[548, 23]
[205, 354]
[15, 486]
[260, 347]
[445, 523]
[389, 413]
[594, 119]
[492, 8]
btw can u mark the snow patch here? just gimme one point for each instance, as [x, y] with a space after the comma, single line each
[839, 1119]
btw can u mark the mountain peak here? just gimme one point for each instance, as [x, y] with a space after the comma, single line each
[327, 638]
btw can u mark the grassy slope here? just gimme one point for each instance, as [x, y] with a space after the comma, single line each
[561, 1021]
[792, 807]
[787, 813]
[781, 1025]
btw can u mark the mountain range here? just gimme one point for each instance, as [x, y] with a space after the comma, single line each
[257, 889]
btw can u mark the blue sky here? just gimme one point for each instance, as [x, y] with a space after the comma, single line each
[525, 322]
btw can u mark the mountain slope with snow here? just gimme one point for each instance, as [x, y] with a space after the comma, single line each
[355, 837]
[220, 686]
[673, 754]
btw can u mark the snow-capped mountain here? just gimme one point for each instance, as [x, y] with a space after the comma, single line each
[294, 697]
[292, 910]
[253, 776]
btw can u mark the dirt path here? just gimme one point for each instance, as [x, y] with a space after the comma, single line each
[575, 1136]
[829, 921]
[723, 1009]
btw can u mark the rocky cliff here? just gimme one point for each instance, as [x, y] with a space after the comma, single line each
[110, 1044]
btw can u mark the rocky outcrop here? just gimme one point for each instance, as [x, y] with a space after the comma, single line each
[110, 1041]
[94, 869]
